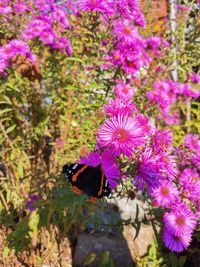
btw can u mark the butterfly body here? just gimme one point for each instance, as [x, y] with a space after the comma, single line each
[87, 180]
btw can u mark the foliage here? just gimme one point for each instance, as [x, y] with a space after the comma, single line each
[51, 107]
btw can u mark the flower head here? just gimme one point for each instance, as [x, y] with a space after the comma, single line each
[165, 193]
[149, 171]
[180, 220]
[120, 107]
[124, 90]
[176, 243]
[192, 141]
[121, 134]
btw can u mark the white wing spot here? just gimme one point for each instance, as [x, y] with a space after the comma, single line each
[74, 167]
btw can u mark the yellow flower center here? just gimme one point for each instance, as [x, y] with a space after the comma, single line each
[165, 191]
[127, 30]
[116, 56]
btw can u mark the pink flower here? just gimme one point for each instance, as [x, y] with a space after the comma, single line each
[176, 243]
[180, 220]
[126, 32]
[5, 8]
[154, 42]
[149, 172]
[59, 143]
[165, 193]
[120, 107]
[20, 7]
[193, 77]
[192, 141]
[121, 134]
[6, 52]
[43, 5]
[183, 8]
[3, 65]
[162, 140]
[190, 91]
[19, 47]
[124, 90]
[108, 165]
[190, 182]
[93, 5]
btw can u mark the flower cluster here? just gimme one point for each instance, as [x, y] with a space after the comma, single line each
[170, 176]
[45, 20]
[13, 49]
[165, 93]
[180, 196]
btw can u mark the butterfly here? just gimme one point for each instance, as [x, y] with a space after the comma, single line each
[87, 180]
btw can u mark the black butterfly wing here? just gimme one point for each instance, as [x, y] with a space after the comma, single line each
[91, 180]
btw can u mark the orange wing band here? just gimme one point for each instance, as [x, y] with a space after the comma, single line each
[93, 200]
[101, 188]
[76, 190]
[75, 176]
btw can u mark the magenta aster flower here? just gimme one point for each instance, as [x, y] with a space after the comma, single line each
[168, 163]
[93, 5]
[193, 77]
[115, 57]
[121, 134]
[120, 107]
[19, 47]
[176, 243]
[124, 90]
[180, 220]
[126, 32]
[165, 193]
[5, 8]
[190, 183]
[192, 141]
[108, 165]
[154, 42]
[190, 91]
[43, 5]
[162, 140]
[149, 171]
[3, 65]
[6, 52]
[20, 7]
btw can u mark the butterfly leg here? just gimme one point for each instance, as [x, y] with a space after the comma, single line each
[93, 199]
[76, 190]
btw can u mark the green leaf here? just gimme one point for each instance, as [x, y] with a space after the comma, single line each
[33, 221]
[106, 260]
[11, 128]
[181, 261]
[5, 110]
[70, 87]
[20, 169]
[75, 59]
[90, 259]
[6, 252]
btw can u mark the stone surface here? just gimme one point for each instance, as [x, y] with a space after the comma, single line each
[139, 246]
[97, 244]
[128, 208]
[104, 234]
